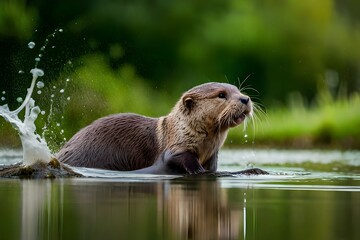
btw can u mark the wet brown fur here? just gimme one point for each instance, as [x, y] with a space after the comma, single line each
[198, 124]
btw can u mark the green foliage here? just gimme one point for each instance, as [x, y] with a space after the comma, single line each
[286, 42]
[182, 44]
[330, 122]
[97, 90]
[138, 56]
[16, 20]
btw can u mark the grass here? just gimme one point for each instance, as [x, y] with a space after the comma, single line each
[331, 122]
[97, 90]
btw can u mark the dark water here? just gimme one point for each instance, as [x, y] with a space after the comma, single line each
[296, 201]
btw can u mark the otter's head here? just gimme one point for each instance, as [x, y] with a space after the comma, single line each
[217, 105]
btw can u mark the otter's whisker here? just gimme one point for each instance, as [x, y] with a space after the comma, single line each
[259, 111]
[245, 124]
[258, 103]
[259, 116]
[253, 125]
[227, 79]
[242, 83]
[249, 88]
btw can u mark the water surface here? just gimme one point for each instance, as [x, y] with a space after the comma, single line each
[308, 195]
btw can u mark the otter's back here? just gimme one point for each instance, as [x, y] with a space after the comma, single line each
[118, 142]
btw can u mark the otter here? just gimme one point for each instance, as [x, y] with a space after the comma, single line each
[186, 141]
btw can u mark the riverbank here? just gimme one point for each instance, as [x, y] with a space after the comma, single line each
[328, 123]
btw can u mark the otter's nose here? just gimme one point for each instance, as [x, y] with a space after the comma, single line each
[244, 100]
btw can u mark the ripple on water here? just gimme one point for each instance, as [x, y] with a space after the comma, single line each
[276, 163]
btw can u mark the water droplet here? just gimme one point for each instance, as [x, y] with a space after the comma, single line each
[43, 113]
[37, 72]
[62, 131]
[35, 30]
[250, 165]
[68, 79]
[64, 139]
[53, 47]
[3, 92]
[42, 48]
[54, 87]
[19, 99]
[62, 91]
[245, 136]
[37, 59]
[31, 45]
[52, 95]
[69, 62]
[40, 55]
[61, 30]
[68, 98]
[40, 84]
[58, 124]
[39, 92]
[3, 98]
[20, 72]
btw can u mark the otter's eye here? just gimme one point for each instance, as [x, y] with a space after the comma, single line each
[222, 95]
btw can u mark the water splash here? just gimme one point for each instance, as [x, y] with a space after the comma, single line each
[38, 161]
[34, 146]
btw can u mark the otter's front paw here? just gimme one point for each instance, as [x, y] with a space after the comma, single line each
[182, 163]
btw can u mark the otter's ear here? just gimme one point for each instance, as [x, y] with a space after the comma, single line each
[188, 103]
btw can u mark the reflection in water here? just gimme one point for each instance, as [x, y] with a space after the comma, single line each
[318, 205]
[194, 210]
[201, 211]
[165, 210]
[178, 209]
[41, 211]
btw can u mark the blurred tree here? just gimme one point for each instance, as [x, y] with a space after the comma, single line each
[285, 45]
[16, 26]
